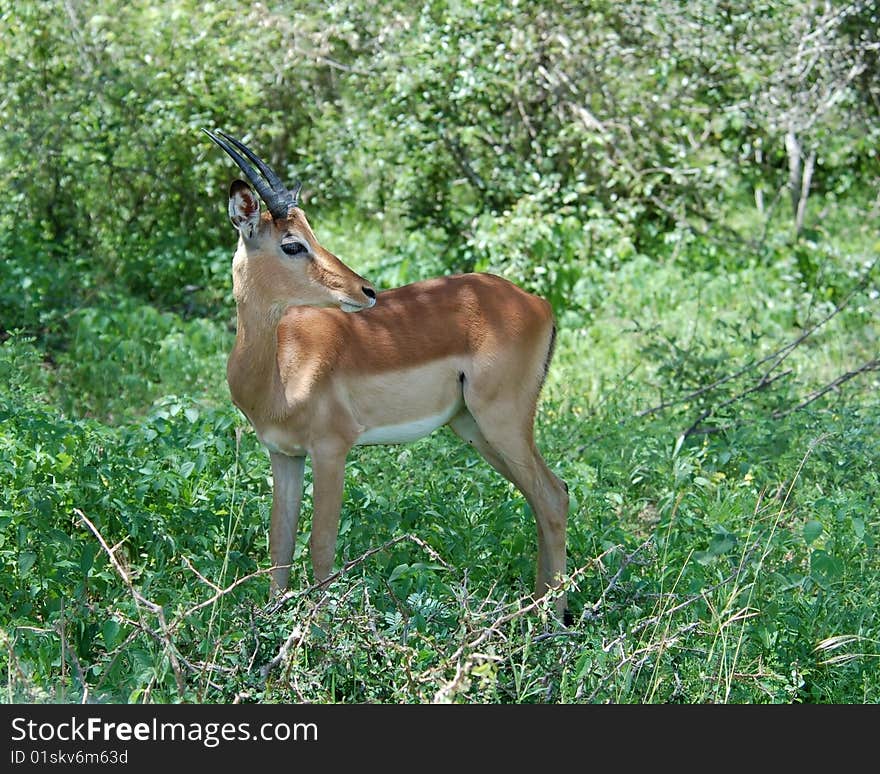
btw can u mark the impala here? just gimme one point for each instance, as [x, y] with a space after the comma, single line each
[469, 351]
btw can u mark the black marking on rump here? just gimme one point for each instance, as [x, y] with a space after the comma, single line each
[549, 357]
[461, 377]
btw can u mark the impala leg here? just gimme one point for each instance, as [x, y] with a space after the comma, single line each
[465, 427]
[287, 489]
[548, 498]
[513, 453]
[328, 471]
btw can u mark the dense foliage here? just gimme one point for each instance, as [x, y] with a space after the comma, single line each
[692, 185]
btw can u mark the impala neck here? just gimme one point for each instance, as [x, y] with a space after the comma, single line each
[255, 329]
[259, 298]
[259, 306]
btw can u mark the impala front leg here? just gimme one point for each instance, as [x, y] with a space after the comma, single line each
[328, 471]
[287, 489]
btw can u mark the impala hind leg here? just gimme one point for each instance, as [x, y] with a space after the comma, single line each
[510, 449]
[465, 427]
[287, 490]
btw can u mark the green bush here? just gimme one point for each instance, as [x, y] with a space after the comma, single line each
[124, 355]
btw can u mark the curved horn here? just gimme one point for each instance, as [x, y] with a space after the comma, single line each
[269, 173]
[278, 199]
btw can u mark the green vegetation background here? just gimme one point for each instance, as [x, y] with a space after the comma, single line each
[640, 165]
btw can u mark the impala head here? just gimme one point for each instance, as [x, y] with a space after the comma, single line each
[279, 258]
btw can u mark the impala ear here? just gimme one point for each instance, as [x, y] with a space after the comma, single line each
[244, 208]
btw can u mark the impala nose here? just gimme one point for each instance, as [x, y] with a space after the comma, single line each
[369, 292]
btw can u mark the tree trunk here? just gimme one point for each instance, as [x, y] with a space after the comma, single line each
[793, 150]
[806, 179]
[800, 176]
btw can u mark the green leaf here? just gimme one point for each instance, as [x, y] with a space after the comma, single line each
[110, 631]
[26, 560]
[678, 442]
[858, 527]
[398, 572]
[87, 557]
[825, 568]
[722, 542]
[812, 530]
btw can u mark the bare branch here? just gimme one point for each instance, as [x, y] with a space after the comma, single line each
[220, 592]
[777, 357]
[297, 636]
[761, 385]
[871, 365]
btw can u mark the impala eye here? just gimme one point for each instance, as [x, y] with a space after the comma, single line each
[294, 248]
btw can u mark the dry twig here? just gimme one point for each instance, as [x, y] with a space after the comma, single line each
[141, 603]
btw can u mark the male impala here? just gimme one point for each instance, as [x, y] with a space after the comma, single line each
[468, 351]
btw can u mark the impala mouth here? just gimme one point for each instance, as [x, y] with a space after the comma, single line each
[347, 305]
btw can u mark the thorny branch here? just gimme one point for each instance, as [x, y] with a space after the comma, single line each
[520, 608]
[483, 624]
[164, 636]
[286, 596]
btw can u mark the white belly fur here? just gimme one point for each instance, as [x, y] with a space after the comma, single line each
[396, 407]
[402, 406]
[407, 431]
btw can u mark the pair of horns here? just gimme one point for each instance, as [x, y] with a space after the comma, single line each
[272, 191]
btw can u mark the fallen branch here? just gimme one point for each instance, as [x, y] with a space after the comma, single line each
[520, 608]
[297, 636]
[219, 592]
[349, 565]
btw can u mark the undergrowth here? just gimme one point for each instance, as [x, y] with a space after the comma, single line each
[721, 557]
